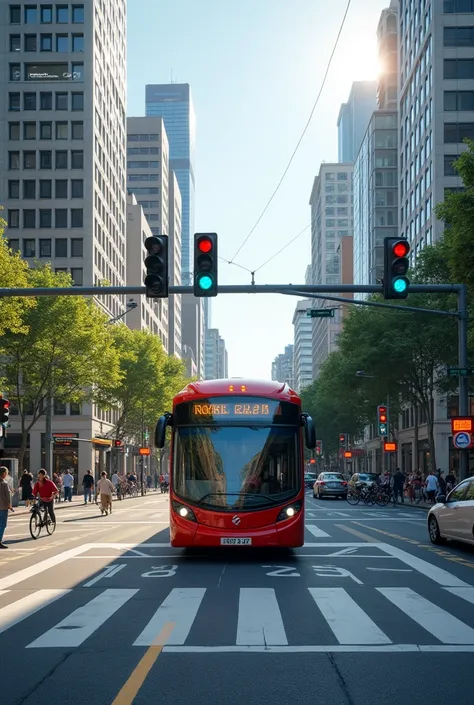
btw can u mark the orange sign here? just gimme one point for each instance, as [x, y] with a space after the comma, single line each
[144, 451]
[348, 454]
[462, 423]
[390, 447]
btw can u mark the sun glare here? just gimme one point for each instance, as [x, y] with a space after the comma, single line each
[358, 60]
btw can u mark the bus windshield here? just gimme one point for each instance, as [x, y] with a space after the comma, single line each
[236, 467]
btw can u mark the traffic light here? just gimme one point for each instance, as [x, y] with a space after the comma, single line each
[156, 279]
[118, 444]
[396, 264]
[382, 420]
[4, 411]
[205, 264]
[342, 440]
[319, 448]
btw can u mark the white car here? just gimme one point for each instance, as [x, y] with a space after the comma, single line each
[453, 516]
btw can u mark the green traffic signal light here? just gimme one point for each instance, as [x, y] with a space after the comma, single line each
[205, 282]
[400, 285]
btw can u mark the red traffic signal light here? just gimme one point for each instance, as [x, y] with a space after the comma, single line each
[401, 248]
[118, 444]
[4, 411]
[204, 244]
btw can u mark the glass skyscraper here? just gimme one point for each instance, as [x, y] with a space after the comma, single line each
[173, 103]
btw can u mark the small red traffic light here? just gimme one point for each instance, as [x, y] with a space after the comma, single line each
[205, 245]
[118, 444]
[401, 249]
[342, 437]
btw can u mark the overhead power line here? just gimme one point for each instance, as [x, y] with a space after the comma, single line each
[326, 73]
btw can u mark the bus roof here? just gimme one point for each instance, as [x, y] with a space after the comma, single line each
[241, 385]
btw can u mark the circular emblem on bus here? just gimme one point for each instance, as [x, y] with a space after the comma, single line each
[236, 520]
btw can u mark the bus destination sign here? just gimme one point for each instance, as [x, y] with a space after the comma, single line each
[232, 410]
[242, 410]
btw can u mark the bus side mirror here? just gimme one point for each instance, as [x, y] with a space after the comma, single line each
[160, 430]
[309, 431]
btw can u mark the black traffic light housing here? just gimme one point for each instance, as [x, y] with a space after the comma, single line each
[396, 264]
[156, 263]
[382, 420]
[4, 411]
[342, 440]
[205, 264]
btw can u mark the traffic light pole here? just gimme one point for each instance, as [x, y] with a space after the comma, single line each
[463, 380]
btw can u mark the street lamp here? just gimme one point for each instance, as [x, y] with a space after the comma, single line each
[129, 307]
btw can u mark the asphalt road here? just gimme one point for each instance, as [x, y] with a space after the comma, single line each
[105, 612]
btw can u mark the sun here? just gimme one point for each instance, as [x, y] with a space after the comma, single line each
[358, 60]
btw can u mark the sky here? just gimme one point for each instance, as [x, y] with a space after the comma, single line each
[255, 68]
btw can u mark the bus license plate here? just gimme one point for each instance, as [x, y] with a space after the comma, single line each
[235, 542]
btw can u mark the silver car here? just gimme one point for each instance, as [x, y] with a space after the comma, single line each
[453, 516]
[330, 484]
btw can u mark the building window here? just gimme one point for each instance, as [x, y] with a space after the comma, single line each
[15, 72]
[31, 14]
[14, 131]
[77, 42]
[29, 101]
[15, 42]
[77, 130]
[60, 218]
[75, 409]
[13, 101]
[14, 245]
[46, 42]
[14, 218]
[459, 68]
[62, 43]
[78, 14]
[60, 270]
[29, 218]
[62, 14]
[59, 408]
[455, 132]
[62, 101]
[449, 169]
[46, 159]
[78, 101]
[60, 247]
[77, 188]
[76, 274]
[458, 100]
[14, 160]
[29, 130]
[13, 189]
[29, 189]
[77, 70]
[46, 190]
[77, 218]
[62, 130]
[77, 159]
[30, 42]
[46, 14]
[46, 101]
[46, 130]
[46, 218]
[60, 188]
[61, 159]
[45, 247]
[461, 6]
[77, 247]
[15, 14]
[458, 36]
[29, 160]
[29, 247]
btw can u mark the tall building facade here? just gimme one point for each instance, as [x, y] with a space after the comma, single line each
[175, 300]
[283, 367]
[331, 222]
[353, 119]
[173, 102]
[303, 334]
[217, 365]
[63, 165]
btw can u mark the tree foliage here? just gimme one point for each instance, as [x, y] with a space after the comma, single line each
[13, 273]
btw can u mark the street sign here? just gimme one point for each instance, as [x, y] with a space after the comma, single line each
[390, 447]
[320, 313]
[64, 439]
[462, 440]
[462, 423]
[144, 451]
[460, 371]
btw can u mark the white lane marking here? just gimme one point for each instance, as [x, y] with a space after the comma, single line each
[310, 514]
[393, 570]
[47, 564]
[321, 649]
[180, 607]
[467, 593]
[316, 531]
[349, 623]
[436, 621]
[84, 621]
[438, 575]
[115, 557]
[260, 620]
[107, 573]
[3, 592]
[21, 609]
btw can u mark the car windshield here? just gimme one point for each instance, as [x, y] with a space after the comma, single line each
[333, 476]
[225, 467]
[367, 477]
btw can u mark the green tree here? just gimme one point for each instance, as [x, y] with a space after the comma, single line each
[13, 274]
[149, 380]
[64, 352]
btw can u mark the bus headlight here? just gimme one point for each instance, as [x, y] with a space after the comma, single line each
[290, 511]
[183, 511]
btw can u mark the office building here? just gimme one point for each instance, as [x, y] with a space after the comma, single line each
[331, 223]
[173, 102]
[62, 168]
[282, 367]
[354, 117]
[387, 42]
[175, 300]
[303, 334]
[215, 356]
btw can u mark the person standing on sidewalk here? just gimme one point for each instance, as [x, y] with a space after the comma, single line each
[88, 485]
[26, 484]
[68, 483]
[5, 503]
[105, 489]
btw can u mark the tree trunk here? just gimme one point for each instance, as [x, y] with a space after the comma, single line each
[431, 441]
[416, 436]
[22, 452]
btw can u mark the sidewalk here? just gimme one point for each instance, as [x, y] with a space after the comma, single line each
[426, 506]
[77, 501]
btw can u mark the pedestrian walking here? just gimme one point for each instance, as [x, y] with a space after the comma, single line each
[26, 484]
[88, 485]
[68, 483]
[105, 488]
[5, 503]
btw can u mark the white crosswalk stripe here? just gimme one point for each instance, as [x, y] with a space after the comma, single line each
[257, 621]
[316, 531]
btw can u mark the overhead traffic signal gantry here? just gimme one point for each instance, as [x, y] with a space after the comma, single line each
[205, 264]
[382, 420]
[396, 264]
[156, 264]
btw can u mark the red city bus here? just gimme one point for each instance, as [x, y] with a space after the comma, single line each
[236, 466]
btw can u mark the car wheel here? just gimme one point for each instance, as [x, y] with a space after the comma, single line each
[433, 530]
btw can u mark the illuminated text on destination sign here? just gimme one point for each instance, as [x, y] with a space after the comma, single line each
[231, 409]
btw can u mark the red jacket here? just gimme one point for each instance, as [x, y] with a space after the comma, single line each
[45, 490]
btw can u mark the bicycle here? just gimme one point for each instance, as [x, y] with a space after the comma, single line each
[39, 518]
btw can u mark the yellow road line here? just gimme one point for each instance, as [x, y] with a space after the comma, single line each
[387, 533]
[365, 537]
[130, 690]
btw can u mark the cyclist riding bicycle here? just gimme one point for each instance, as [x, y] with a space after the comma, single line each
[46, 490]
